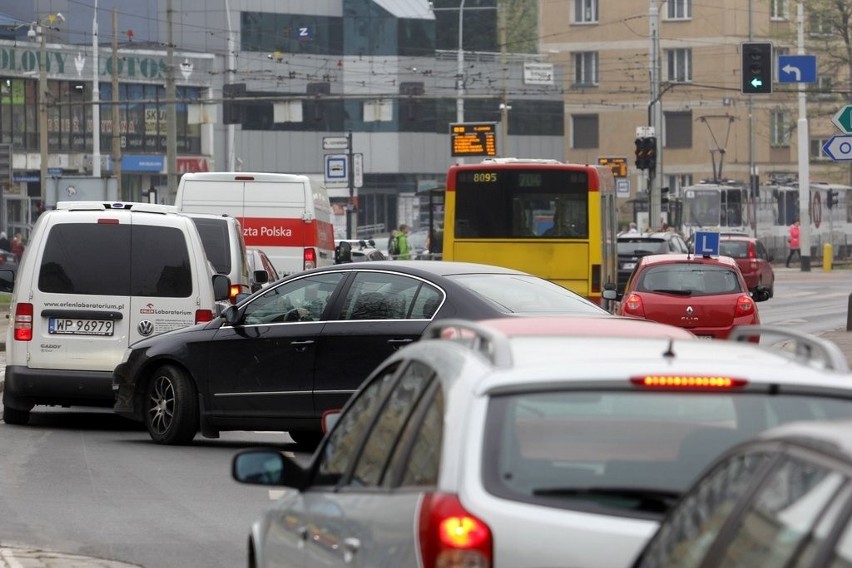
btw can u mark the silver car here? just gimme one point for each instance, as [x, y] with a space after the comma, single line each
[531, 442]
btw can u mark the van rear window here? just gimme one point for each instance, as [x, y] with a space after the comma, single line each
[116, 260]
[217, 243]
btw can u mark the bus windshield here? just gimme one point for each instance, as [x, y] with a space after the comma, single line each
[519, 203]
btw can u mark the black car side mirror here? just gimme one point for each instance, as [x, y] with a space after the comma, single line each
[760, 294]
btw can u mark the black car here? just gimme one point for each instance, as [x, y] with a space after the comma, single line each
[632, 248]
[303, 345]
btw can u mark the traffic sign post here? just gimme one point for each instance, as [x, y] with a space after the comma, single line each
[797, 69]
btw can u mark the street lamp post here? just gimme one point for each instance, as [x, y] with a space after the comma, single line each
[37, 28]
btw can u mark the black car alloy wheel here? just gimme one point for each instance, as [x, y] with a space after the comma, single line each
[171, 407]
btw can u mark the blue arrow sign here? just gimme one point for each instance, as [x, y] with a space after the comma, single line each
[797, 69]
[839, 148]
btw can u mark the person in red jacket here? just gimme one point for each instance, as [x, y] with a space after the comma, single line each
[793, 242]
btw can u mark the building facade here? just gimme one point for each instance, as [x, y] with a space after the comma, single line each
[261, 85]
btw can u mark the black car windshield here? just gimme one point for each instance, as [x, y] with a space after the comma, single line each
[627, 451]
[639, 246]
[519, 293]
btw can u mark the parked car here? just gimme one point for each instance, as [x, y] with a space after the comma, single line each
[529, 442]
[706, 295]
[301, 346]
[753, 259]
[781, 499]
[259, 263]
[633, 247]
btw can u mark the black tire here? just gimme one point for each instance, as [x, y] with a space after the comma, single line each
[15, 416]
[307, 439]
[171, 407]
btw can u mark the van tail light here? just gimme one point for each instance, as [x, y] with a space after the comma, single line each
[202, 316]
[310, 258]
[633, 306]
[686, 382]
[450, 537]
[745, 306]
[23, 322]
[232, 294]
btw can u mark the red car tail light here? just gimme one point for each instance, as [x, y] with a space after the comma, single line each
[688, 381]
[310, 258]
[751, 253]
[450, 537]
[745, 306]
[633, 306]
[202, 316]
[23, 322]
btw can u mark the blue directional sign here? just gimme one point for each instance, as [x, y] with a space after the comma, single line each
[707, 243]
[797, 69]
[839, 148]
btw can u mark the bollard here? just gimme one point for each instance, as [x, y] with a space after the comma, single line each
[827, 257]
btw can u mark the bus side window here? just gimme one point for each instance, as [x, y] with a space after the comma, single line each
[464, 230]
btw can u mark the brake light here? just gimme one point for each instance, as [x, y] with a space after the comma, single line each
[310, 258]
[450, 537]
[202, 316]
[232, 294]
[23, 322]
[751, 253]
[745, 306]
[688, 381]
[633, 306]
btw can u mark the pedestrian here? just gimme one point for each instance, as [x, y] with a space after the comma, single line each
[793, 243]
[17, 246]
[402, 239]
[4, 242]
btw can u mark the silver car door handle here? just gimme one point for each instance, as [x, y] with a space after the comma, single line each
[397, 343]
[300, 346]
[350, 547]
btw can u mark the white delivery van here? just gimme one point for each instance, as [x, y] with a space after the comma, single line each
[95, 278]
[285, 215]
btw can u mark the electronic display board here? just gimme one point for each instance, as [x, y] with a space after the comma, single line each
[617, 165]
[474, 139]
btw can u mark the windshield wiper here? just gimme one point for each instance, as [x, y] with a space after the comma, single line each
[676, 292]
[650, 499]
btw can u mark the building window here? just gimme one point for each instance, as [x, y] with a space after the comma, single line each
[778, 9]
[779, 126]
[819, 24]
[824, 87]
[584, 131]
[585, 11]
[679, 9]
[816, 152]
[586, 68]
[678, 129]
[679, 65]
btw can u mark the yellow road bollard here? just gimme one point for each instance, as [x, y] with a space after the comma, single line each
[826, 257]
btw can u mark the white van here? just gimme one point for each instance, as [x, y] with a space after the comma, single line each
[284, 214]
[95, 278]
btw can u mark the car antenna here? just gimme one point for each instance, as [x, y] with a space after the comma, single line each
[669, 352]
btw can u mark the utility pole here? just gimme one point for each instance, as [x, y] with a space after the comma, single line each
[654, 175]
[754, 178]
[231, 74]
[116, 113]
[171, 101]
[504, 103]
[460, 73]
[42, 112]
[804, 164]
[96, 102]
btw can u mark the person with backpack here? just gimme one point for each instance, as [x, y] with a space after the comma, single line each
[398, 247]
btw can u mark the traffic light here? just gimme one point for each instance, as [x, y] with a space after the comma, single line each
[651, 153]
[756, 68]
[640, 154]
[664, 197]
[831, 198]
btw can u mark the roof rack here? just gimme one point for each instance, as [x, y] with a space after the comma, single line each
[804, 347]
[490, 343]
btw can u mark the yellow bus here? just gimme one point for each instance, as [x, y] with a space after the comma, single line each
[545, 217]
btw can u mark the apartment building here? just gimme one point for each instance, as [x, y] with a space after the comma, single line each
[708, 129]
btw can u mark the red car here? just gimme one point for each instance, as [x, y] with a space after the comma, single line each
[705, 295]
[753, 259]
